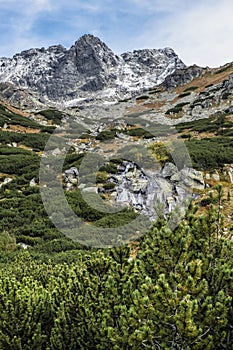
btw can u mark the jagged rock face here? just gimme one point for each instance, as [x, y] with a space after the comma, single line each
[92, 56]
[89, 66]
[182, 76]
[152, 62]
[21, 97]
[143, 190]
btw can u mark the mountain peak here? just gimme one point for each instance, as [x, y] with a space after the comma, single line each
[89, 42]
[89, 39]
[88, 67]
[92, 54]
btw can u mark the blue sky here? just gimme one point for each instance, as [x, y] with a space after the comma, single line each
[200, 31]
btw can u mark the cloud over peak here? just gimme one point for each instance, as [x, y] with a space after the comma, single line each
[200, 32]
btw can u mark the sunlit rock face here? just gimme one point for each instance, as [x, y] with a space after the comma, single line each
[145, 190]
[89, 69]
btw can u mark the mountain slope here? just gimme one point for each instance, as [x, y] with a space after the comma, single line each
[188, 94]
[89, 69]
[197, 102]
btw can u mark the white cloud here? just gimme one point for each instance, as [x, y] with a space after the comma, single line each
[201, 34]
[207, 33]
[21, 16]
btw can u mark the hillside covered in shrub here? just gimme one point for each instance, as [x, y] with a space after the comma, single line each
[170, 290]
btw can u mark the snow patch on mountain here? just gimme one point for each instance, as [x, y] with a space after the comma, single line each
[88, 70]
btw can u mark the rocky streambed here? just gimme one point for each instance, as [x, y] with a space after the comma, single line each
[145, 190]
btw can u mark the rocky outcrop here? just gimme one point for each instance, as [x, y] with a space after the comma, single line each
[32, 182]
[88, 69]
[71, 178]
[182, 76]
[228, 172]
[21, 97]
[5, 182]
[144, 190]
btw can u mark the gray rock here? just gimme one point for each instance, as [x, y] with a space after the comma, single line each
[144, 190]
[169, 170]
[82, 186]
[197, 111]
[73, 171]
[216, 177]
[56, 152]
[32, 183]
[176, 177]
[122, 195]
[182, 76]
[192, 178]
[228, 172]
[90, 189]
[89, 66]
[71, 177]
[6, 181]
[23, 245]
[207, 103]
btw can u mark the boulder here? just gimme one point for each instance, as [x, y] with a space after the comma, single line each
[228, 172]
[216, 177]
[192, 178]
[71, 178]
[6, 181]
[90, 189]
[32, 183]
[169, 170]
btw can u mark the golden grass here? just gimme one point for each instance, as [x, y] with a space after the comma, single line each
[22, 129]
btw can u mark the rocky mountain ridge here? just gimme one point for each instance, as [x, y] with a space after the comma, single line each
[88, 70]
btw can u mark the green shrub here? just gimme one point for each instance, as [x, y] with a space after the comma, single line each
[83, 209]
[9, 117]
[184, 94]
[181, 104]
[85, 136]
[101, 176]
[143, 97]
[191, 88]
[174, 110]
[185, 136]
[210, 153]
[72, 160]
[52, 114]
[216, 123]
[18, 163]
[109, 168]
[106, 135]
[205, 93]
[140, 132]
[118, 219]
[205, 201]
[47, 128]
[37, 140]
[109, 186]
